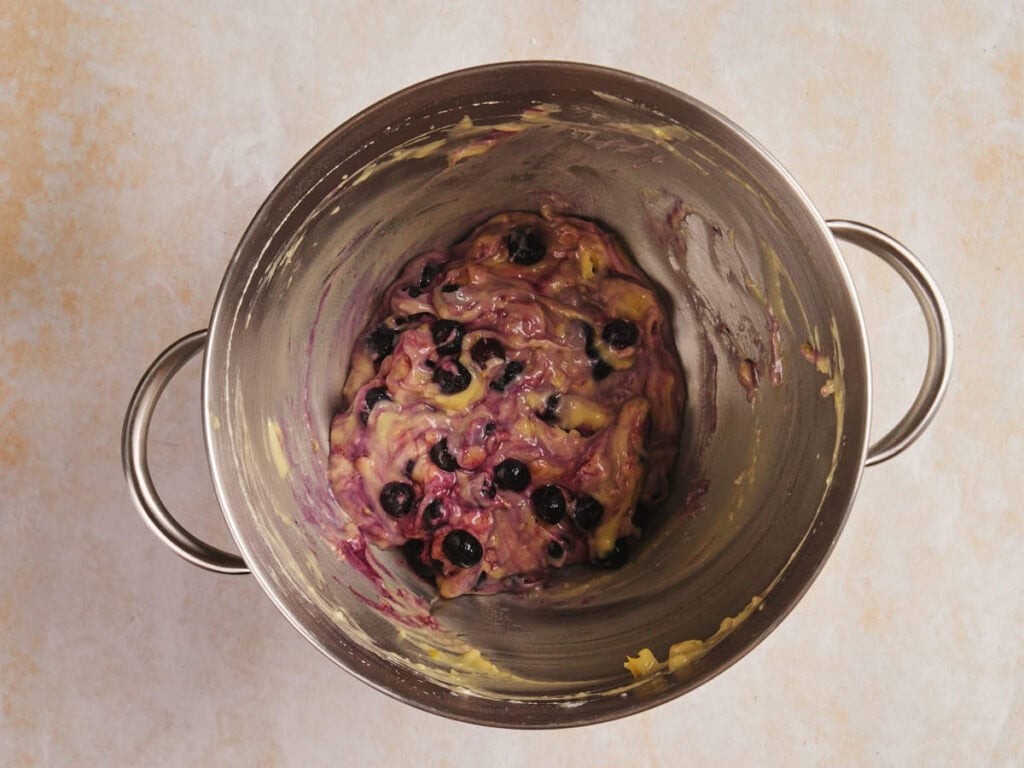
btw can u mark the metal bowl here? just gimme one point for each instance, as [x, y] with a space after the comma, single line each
[765, 318]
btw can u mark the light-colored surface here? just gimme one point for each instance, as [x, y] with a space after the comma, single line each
[136, 143]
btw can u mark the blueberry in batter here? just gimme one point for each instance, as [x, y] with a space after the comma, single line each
[515, 400]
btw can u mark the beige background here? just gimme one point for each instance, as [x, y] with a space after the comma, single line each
[136, 141]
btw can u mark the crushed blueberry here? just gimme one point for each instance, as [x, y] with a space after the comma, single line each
[512, 475]
[430, 271]
[601, 370]
[452, 377]
[512, 369]
[447, 336]
[410, 465]
[587, 512]
[413, 551]
[433, 515]
[588, 342]
[486, 348]
[373, 396]
[616, 558]
[414, 292]
[381, 341]
[441, 457]
[550, 412]
[555, 550]
[450, 287]
[396, 499]
[620, 334]
[548, 504]
[489, 428]
[525, 246]
[462, 548]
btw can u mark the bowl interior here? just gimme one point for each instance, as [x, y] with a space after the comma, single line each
[765, 473]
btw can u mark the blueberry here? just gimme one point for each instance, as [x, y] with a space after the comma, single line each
[462, 548]
[525, 246]
[642, 514]
[588, 342]
[433, 515]
[414, 292]
[620, 333]
[396, 499]
[512, 369]
[430, 271]
[548, 504]
[587, 512]
[410, 465]
[373, 396]
[550, 412]
[512, 475]
[447, 336]
[486, 348]
[413, 551]
[381, 341]
[450, 288]
[601, 370]
[441, 457]
[453, 378]
[489, 428]
[555, 550]
[616, 558]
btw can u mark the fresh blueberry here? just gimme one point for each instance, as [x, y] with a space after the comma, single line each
[486, 348]
[447, 336]
[441, 457]
[525, 246]
[462, 548]
[616, 558]
[512, 475]
[433, 515]
[555, 550]
[452, 377]
[381, 341]
[373, 396]
[548, 504]
[620, 333]
[587, 512]
[512, 369]
[601, 370]
[396, 499]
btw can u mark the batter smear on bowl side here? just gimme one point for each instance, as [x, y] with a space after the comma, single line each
[513, 406]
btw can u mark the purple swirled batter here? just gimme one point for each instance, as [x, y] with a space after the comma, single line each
[512, 407]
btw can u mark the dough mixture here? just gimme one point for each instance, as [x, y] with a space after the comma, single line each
[513, 406]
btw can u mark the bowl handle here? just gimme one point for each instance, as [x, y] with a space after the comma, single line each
[134, 440]
[940, 335]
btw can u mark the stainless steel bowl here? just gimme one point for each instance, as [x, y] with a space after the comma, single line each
[765, 319]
